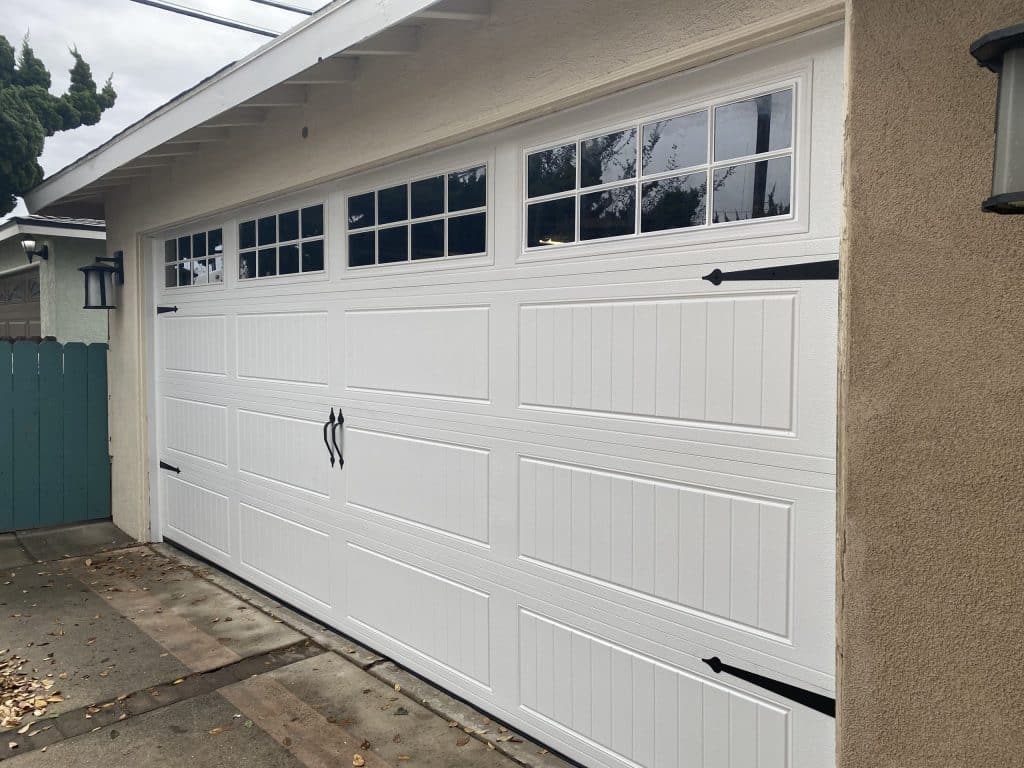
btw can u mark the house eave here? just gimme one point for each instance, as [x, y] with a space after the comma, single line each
[332, 31]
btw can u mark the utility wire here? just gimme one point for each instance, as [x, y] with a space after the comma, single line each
[224, 22]
[284, 7]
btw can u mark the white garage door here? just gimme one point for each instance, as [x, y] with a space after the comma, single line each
[572, 468]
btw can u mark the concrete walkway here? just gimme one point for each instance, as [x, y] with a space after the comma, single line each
[162, 660]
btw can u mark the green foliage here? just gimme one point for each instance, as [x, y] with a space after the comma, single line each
[29, 113]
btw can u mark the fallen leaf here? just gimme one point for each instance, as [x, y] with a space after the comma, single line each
[365, 744]
[24, 729]
[179, 681]
[357, 760]
[215, 731]
[463, 741]
[398, 687]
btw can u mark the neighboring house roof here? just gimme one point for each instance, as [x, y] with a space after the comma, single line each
[53, 226]
[323, 48]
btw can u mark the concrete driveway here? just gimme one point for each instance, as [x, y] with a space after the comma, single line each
[162, 660]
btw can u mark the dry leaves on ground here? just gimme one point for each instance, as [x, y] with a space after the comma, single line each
[22, 695]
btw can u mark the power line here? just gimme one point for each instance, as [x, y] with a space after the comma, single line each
[224, 22]
[284, 7]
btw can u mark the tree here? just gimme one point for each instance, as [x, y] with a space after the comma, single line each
[29, 113]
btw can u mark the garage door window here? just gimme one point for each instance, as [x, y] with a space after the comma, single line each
[195, 259]
[286, 243]
[441, 216]
[653, 176]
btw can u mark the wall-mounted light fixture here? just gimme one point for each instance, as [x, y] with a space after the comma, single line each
[1002, 52]
[28, 244]
[99, 281]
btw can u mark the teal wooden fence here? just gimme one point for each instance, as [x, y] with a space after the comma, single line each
[54, 464]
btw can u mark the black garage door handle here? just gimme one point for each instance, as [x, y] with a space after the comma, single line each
[329, 424]
[334, 437]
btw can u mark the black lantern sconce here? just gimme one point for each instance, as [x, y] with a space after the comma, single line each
[28, 245]
[1002, 52]
[99, 281]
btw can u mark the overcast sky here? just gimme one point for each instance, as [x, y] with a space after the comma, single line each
[153, 54]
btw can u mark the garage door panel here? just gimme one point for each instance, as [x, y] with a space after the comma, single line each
[198, 513]
[284, 449]
[196, 428]
[639, 708]
[195, 344]
[294, 555]
[431, 351]
[445, 621]
[726, 555]
[442, 485]
[287, 347]
[600, 357]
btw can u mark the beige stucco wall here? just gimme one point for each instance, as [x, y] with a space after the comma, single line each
[61, 288]
[532, 57]
[931, 612]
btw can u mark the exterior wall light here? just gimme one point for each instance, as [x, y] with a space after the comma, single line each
[28, 244]
[1002, 52]
[99, 281]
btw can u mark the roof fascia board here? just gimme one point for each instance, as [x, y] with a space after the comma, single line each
[13, 229]
[321, 37]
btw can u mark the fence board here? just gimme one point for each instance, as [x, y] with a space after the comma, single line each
[6, 436]
[76, 403]
[97, 456]
[51, 433]
[26, 434]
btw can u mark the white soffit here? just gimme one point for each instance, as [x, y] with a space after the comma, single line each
[243, 92]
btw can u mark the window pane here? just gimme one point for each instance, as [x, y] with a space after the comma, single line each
[313, 221]
[679, 142]
[170, 250]
[288, 226]
[267, 262]
[392, 245]
[608, 214]
[467, 234]
[200, 272]
[608, 158]
[288, 259]
[170, 276]
[552, 170]
[246, 265]
[762, 124]
[216, 269]
[674, 203]
[214, 241]
[185, 273]
[752, 190]
[199, 244]
[428, 239]
[267, 230]
[247, 234]
[467, 189]
[428, 197]
[313, 256]
[392, 204]
[184, 248]
[361, 249]
[360, 211]
[551, 223]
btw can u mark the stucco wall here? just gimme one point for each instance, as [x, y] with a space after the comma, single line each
[931, 626]
[532, 57]
[61, 288]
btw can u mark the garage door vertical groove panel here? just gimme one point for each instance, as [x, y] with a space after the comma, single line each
[573, 469]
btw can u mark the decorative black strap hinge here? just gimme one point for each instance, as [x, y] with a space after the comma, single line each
[165, 465]
[165, 310]
[811, 270]
[815, 701]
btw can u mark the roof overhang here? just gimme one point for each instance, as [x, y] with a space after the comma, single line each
[325, 48]
[18, 226]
